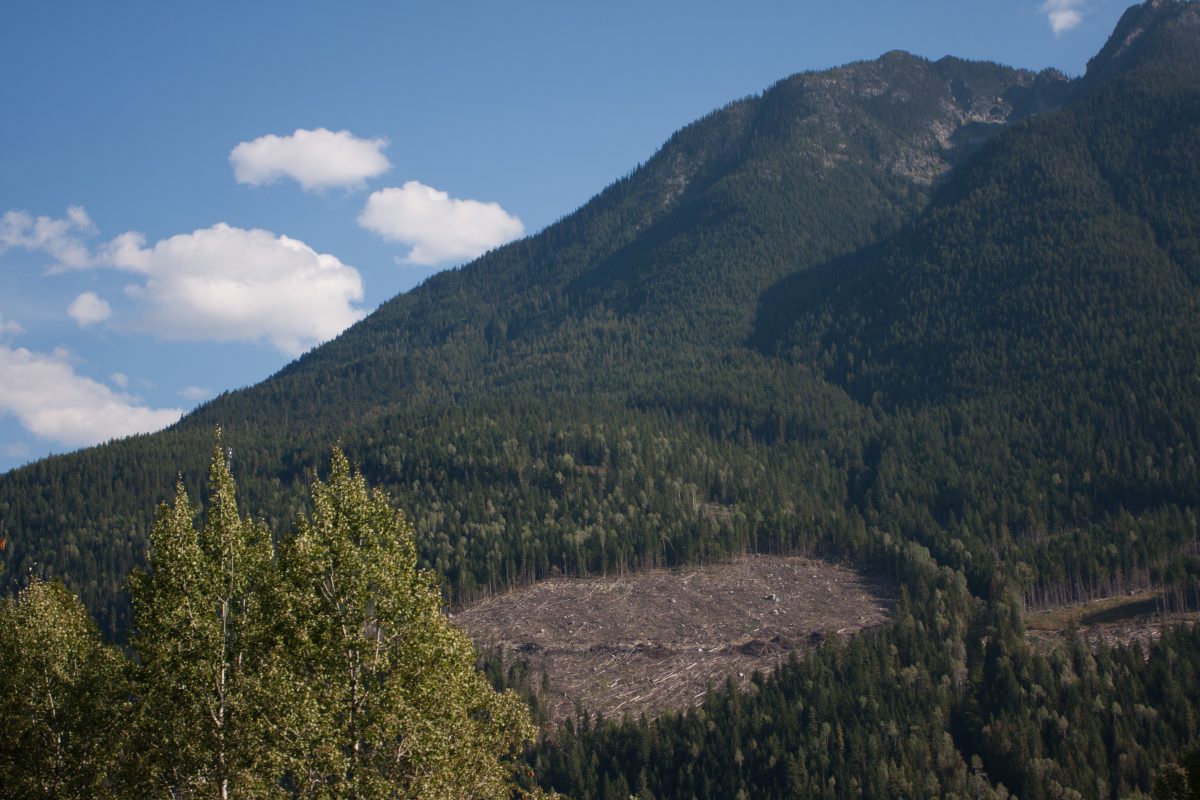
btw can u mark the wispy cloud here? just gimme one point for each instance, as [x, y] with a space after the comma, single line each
[1063, 15]
[315, 159]
[51, 400]
[15, 450]
[9, 327]
[195, 393]
[62, 239]
[437, 228]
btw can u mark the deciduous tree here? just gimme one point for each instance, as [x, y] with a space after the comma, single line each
[62, 698]
[398, 706]
[201, 633]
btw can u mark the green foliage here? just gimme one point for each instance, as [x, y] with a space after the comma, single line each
[879, 313]
[1180, 781]
[63, 705]
[395, 704]
[949, 701]
[322, 670]
[202, 634]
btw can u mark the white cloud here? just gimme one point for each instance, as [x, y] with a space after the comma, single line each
[437, 228]
[119, 379]
[1063, 15]
[195, 393]
[216, 284]
[88, 309]
[61, 238]
[229, 284]
[54, 402]
[9, 328]
[316, 159]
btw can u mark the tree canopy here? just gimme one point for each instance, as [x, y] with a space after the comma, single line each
[320, 667]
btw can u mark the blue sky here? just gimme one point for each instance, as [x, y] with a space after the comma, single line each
[191, 194]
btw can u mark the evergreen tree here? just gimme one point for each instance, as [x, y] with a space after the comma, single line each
[1180, 781]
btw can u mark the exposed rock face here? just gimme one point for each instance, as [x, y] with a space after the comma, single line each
[902, 113]
[1145, 34]
[905, 114]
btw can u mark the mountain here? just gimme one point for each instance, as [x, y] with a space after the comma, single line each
[1038, 324]
[947, 281]
[623, 323]
[937, 319]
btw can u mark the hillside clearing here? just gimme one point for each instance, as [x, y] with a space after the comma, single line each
[655, 641]
[1114, 621]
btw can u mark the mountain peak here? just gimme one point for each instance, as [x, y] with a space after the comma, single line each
[1147, 34]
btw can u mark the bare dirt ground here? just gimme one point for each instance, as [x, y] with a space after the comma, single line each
[655, 641]
[1112, 621]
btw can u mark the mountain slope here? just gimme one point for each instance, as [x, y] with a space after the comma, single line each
[628, 315]
[1039, 323]
[897, 241]
[937, 319]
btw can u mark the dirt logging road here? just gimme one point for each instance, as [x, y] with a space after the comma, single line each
[656, 641]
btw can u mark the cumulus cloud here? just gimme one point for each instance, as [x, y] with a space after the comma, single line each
[437, 228]
[315, 159]
[229, 284]
[88, 309]
[215, 284]
[51, 400]
[60, 238]
[195, 393]
[1063, 15]
[119, 379]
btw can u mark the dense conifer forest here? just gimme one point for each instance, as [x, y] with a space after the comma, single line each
[937, 319]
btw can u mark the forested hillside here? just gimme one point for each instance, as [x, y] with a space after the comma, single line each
[570, 402]
[1035, 338]
[935, 318]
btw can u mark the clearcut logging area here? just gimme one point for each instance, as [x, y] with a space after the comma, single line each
[651, 642]
[1112, 621]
